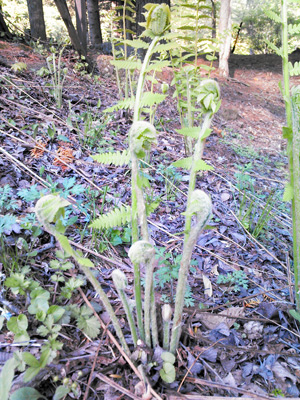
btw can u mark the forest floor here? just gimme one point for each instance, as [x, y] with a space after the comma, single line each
[241, 264]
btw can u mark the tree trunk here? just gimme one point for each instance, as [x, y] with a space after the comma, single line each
[64, 13]
[81, 22]
[225, 37]
[36, 19]
[140, 10]
[4, 31]
[94, 22]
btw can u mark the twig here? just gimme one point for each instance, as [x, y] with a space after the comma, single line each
[92, 372]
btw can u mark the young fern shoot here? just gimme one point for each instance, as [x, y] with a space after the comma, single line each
[198, 203]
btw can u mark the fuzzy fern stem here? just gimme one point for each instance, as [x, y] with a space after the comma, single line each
[189, 240]
[121, 283]
[290, 150]
[137, 200]
[48, 210]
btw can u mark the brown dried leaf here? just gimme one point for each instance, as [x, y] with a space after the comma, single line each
[211, 321]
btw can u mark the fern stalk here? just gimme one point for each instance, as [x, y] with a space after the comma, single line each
[189, 241]
[137, 200]
[292, 139]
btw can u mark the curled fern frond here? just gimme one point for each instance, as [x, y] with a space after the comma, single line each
[119, 216]
[118, 158]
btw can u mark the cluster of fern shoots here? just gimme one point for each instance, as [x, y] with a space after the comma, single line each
[142, 137]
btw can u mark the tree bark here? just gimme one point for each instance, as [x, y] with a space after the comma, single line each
[65, 14]
[36, 19]
[225, 37]
[3, 27]
[81, 22]
[94, 23]
[213, 18]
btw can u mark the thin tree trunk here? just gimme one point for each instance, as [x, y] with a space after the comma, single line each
[81, 22]
[3, 27]
[213, 18]
[94, 22]
[65, 14]
[225, 37]
[36, 19]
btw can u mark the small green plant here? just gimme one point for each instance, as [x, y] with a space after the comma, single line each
[19, 67]
[171, 177]
[57, 73]
[236, 280]
[291, 132]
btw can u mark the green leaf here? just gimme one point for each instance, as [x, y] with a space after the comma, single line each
[168, 372]
[6, 378]
[288, 194]
[168, 357]
[30, 373]
[27, 393]
[56, 311]
[91, 326]
[85, 262]
[295, 314]
[30, 360]
[201, 165]
[60, 392]
[17, 324]
[149, 99]
[185, 163]
[287, 132]
[192, 132]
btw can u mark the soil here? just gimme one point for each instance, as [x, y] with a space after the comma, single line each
[253, 353]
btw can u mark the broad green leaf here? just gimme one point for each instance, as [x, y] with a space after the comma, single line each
[60, 392]
[168, 357]
[27, 393]
[30, 359]
[91, 326]
[56, 311]
[48, 207]
[201, 165]
[85, 262]
[168, 372]
[30, 373]
[6, 378]
[295, 314]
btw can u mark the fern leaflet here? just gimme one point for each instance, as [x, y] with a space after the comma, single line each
[119, 216]
[118, 158]
[149, 99]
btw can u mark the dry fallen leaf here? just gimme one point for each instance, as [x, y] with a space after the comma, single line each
[208, 291]
[211, 321]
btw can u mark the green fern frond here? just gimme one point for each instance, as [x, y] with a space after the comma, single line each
[137, 43]
[166, 47]
[190, 132]
[294, 29]
[272, 15]
[121, 105]
[201, 165]
[158, 66]
[294, 69]
[119, 216]
[118, 158]
[277, 50]
[149, 99]
[186, 163]
[126, 64]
